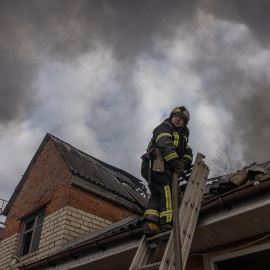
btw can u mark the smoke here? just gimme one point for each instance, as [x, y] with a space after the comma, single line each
[255, 15]
[33, 32]
[234, 71]
[225, 40]
[18, 71]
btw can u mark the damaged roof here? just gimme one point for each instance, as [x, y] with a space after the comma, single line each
[238, 193]
[265, 166]
[102, 174]
[224, 191]
[93, 170]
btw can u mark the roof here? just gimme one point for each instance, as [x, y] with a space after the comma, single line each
[250, 201]
[242, 193]
[93, 170]
[102, 174]
[220, 186]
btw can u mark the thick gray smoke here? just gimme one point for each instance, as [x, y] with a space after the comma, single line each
[243, 90]
[254, 14]
[34, 32]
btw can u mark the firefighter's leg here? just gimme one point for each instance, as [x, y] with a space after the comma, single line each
[166, 208]
[151, 215]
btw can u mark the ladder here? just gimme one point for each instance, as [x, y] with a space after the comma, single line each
[152, 247]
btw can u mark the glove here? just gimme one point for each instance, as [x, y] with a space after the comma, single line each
[181, 168]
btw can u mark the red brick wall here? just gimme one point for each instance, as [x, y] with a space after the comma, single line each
[48, 179]
[96, 205]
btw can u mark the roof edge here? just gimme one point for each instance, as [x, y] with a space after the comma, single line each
[73, 252]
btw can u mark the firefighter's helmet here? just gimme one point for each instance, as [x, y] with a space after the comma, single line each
[181, 111]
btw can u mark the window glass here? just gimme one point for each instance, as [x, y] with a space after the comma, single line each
[31, 234]
[26, 242]
[40, 219]
[29, 225]
[36, 238]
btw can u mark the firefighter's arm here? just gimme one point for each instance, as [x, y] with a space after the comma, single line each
[188, 157]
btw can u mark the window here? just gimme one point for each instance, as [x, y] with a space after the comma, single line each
[31, 232]
[250, 258]
[257, 260]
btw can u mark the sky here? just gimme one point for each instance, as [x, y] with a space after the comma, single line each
[101, 75]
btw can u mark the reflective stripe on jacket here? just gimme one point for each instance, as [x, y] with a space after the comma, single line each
[172, 144]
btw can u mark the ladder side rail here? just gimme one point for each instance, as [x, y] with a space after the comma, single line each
[141, 254]
[194, 217]
[186, 210]
[191, 189]
[192, 178]
[191, 182]
[176, 224]
[168, 258]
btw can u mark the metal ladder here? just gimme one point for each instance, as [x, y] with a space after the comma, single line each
[150, 248]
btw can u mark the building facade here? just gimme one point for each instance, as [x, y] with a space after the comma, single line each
[64, 194]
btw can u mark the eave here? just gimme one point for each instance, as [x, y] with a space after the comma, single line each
[244, 214]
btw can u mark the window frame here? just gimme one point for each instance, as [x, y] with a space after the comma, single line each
[34, 232]
[210, 260]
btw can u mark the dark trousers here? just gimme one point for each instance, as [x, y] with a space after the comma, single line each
[159, 208]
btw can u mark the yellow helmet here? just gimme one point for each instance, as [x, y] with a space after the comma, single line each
[181, 111]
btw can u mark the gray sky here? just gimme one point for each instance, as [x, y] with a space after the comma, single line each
[101, 75]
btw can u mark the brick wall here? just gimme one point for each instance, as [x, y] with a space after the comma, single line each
[8, 248]
[69, 214]
[62, 226]
[97, 205]
[48, 179]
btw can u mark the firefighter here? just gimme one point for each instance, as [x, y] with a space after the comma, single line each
[171, 139]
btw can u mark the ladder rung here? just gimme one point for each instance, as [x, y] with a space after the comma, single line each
[149, 266]
[161, 236]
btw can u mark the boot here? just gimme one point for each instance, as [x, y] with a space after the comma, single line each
[151, 228]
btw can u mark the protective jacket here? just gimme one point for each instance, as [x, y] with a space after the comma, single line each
[173, 144]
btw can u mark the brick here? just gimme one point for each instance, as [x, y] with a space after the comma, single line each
[76, 215]
[96, 222]
[100, 219]
[71, 212]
